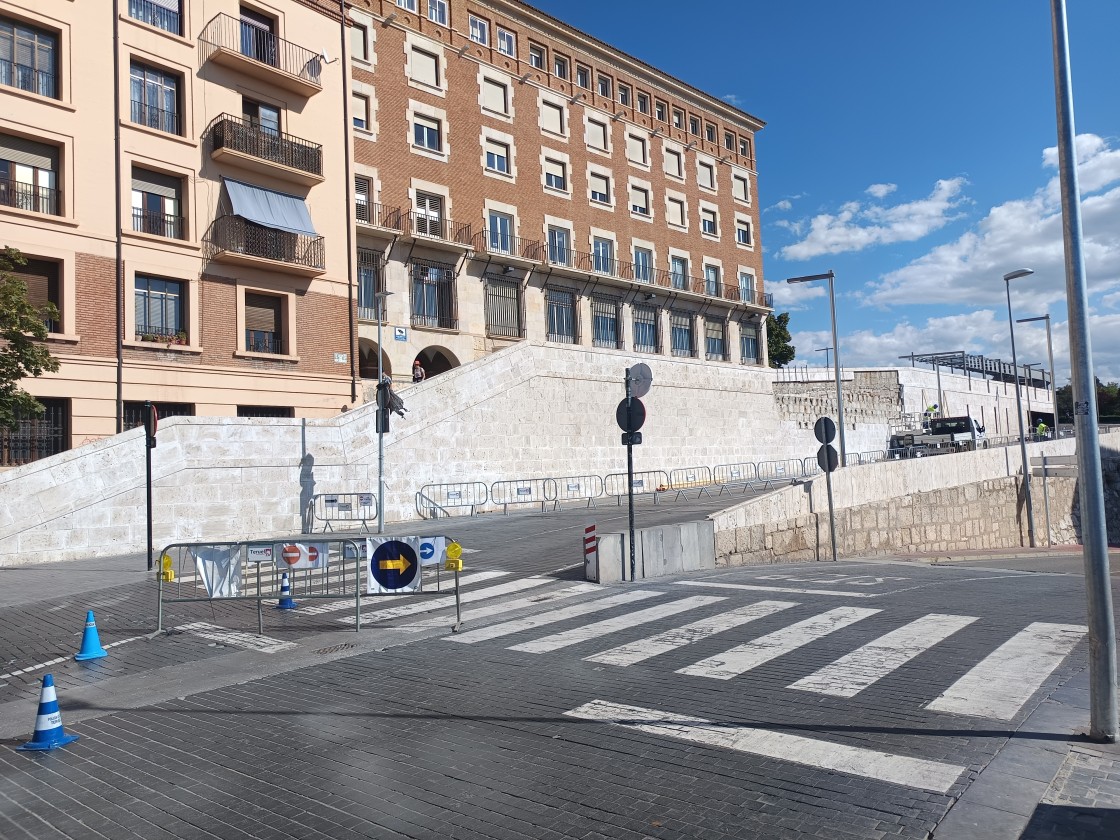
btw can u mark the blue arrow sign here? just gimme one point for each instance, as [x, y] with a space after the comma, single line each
[427, 551]
[394, 565]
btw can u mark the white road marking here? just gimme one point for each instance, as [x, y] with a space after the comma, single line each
[428, 603]
[851, 674]
[59, 659]
[528, 623]
[811, 752]
[737, 660]
[999, 685]
[789, 590]
[320, 607]
[248, 641]
[507, 606]
[613, 625]
[643, 649]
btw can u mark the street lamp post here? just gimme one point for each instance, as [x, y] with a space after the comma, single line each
[830, 276]
[380, 296]
[1007, 278]
[826, 351]
[1049, 356]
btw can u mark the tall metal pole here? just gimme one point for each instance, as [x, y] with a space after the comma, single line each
[630, 472]
[1050, 355]
[1102, 635]
[1007, 278]
[380, 426]
[836, 364]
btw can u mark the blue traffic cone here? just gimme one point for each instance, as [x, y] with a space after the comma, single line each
[49, 733]
[91, 644]
[286, 602]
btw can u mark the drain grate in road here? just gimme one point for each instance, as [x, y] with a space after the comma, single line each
[334, 648]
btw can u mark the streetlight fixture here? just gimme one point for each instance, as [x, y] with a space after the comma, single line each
[826, 351]
[380, 297]
[1050, 356]
[830, 276]
[1007, 278]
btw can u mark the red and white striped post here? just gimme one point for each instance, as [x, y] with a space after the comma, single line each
[590, 552]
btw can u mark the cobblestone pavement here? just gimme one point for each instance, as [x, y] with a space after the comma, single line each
[830, 700]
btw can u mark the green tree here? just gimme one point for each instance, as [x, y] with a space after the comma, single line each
[778, 340]
[22, 328]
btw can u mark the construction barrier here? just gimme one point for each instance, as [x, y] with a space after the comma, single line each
[521, 492]
[440, 497]
[572, 488]
[343, 508]
[647, 481]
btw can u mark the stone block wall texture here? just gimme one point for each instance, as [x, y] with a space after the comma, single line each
[530, 411]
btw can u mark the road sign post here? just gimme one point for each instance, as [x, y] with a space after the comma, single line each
[825, 432]
[631, 416]
[151, 421]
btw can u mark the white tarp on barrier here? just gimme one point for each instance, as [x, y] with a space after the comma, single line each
[219, 569]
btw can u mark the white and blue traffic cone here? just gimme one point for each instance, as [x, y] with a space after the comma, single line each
[286, 602]
[49, 733]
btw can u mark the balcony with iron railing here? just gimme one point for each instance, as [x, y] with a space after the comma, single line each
[426, 224]
[26, 77]
[500, 244]
[232, 239]
[150, 116]
[256, 52]
[155, 15]
[158, 224]
[244, 143]
[263, 341]
[379, 215]
[161, 335]
[29, 197]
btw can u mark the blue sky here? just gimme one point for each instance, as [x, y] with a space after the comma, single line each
[911, 148]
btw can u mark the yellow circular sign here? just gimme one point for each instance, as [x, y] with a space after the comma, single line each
[454, 551]
[166, 562]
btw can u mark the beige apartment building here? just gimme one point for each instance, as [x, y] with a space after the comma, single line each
[244, 204]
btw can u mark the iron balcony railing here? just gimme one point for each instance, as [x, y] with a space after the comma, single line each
[163, 335]
[583, 261]
[496, 242]
[158, 224]
[425, 224]
[254, 42]
[28, 197]
[27, 78]
[247, 136]
[238, 236]
[155, 15]
[153, 117]
[263, 341]
[379, 215]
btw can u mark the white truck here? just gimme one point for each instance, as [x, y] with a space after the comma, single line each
[939, 435]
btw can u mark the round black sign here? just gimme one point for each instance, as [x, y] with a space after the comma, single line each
[637, 415]
[827, 458]
[825, 430]
[394, 565]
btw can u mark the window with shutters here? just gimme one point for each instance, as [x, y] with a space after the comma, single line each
[507, 43]
[743, 234]
[563, 324]
[503, 307]
[29, 175]
[715, 339]
[643, 103]
[624, 96]
[359, 42]
[600, 186]
[729, 141]
[746, 287]
[744, 147]
[28, 58]
[500, 232]
[674, 163]
[428, 215]
[424, 68]
[583, 76]
[709, 222]
[359, 110]
[694, 126]
[433, 295]
[156, 204]
[636, 150]
[160, 310]
[480, 30]
[681, 339]
[264, 323]
[361, 198]
[639, 200]
[427, 133]
[660, 111]
[555, 174]
[597, 134]
[646, 339]
[748, 343]
[678, 272]
[552, 118]
[604, 85]
[643, 265]
[712, 277]
[741, 188]
[42, 279]
[678, 118]
[370, 281]
[497, 157]
[559, 66]
[602, 252]
[605, 322]
[709, 132]
[495, 97]
[258, 36]
[538, 56]
[155, 98]
[162, 14]
[559, 245]
[706, 175]
[674, 210]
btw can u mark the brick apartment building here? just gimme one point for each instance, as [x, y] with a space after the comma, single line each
[224, 205]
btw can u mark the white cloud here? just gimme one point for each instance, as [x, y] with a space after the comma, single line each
[733, 99]
[784, 204]
[1025, 232]
[795, 296]
[881, 190]
[858, 226]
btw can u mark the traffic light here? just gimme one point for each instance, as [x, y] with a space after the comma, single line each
[151, 422]
[383, 402]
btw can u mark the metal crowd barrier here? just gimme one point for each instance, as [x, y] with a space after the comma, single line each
[470, 494]
[646, 481]
[776, 470]
[330, 508]
[691, 478]
[522, 491]
[251, 570]
[572, 487]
